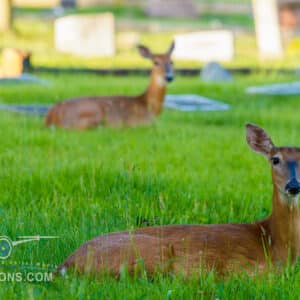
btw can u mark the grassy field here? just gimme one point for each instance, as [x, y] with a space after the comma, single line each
[185, 168]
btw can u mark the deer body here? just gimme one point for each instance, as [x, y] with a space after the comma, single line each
[222, 247]
[87, 112]
[174, 248]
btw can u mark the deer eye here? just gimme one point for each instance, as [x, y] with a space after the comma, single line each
[156, 63]
[275, 160]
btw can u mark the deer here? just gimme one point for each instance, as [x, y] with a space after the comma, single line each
[87, 112]
[223, 248]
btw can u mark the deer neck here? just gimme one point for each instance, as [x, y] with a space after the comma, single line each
[285, 226]
[156, 91]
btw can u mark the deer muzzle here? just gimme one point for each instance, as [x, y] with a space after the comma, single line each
[293, 186]
[169, 76]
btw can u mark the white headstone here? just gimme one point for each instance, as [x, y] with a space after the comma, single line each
[214, 45]
[267, 28]
[86, 35]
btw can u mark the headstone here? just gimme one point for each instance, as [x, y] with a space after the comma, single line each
[191, 102]
[171, 8]
[86, 35]
[267, 28]
[207, 46]
[278, 89]
[214, 72]
[14, 61]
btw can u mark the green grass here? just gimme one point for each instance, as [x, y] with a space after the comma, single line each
[184, 168]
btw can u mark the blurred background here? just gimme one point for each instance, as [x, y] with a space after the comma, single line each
[104, 33]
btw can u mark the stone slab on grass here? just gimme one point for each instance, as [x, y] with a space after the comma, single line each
[23, 79]
[29, 109]
[279, 89]
[194, 103]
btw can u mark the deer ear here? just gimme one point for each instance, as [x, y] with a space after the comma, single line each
[172, 47]
[258, 139]
[144, 51]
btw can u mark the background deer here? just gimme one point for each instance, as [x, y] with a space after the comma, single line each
[86, 112]
[224, 247]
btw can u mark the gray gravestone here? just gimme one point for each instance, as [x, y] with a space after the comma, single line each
[213, 45]
[214, 72]
[86, 35]
[171, 8]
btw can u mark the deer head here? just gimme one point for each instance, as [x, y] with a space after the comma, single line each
[284, 162]
[162, 62]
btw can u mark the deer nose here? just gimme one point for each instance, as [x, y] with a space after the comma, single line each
[169, 77]
[293, 187]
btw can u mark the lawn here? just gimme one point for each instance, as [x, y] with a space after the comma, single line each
[184, 168]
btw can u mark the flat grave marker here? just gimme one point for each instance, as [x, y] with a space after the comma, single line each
[277, 89]
[191, 102]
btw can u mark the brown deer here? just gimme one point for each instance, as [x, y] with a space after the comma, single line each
[87, 112]
[252, 247]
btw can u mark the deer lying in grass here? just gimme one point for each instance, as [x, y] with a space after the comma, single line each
[86, 112]
[222, 247]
